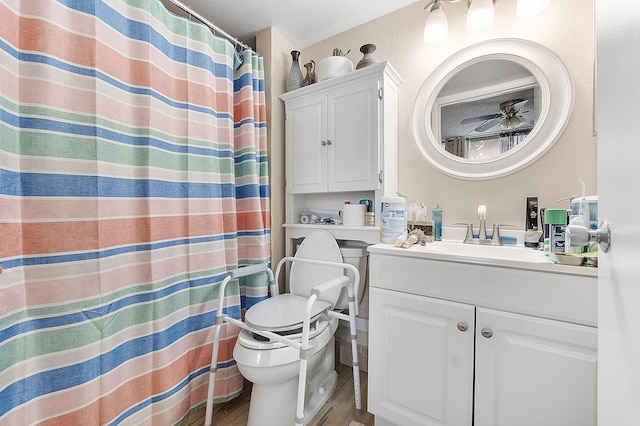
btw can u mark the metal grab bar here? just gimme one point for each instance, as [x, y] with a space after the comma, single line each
[303, 345]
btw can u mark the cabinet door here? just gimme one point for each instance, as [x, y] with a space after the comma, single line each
[420, 362]
[306, 149]
[354, 135]
[534, 371]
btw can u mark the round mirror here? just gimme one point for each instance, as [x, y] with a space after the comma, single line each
[492, 109]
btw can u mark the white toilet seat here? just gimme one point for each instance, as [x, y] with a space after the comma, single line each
[282, 313]
[303, 277]
[323, 326]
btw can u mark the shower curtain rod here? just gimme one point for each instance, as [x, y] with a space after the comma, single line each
[216, 29]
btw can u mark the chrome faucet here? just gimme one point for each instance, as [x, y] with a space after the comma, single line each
[482, 239]
[482, 217]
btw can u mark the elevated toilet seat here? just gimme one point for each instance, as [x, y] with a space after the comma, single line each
[321, 327]
[283, 313]
[295, 368]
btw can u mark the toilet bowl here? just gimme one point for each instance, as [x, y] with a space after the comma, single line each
[273, 367]
[355, 253]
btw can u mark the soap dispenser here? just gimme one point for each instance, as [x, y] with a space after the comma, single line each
[436, 217]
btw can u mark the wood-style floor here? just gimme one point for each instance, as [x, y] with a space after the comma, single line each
[338, 411]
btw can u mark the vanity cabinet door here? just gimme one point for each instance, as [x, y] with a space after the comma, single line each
[420, 359]
[534, 371]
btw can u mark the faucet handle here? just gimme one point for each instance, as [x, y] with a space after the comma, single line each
[469, 229]
[495, 235]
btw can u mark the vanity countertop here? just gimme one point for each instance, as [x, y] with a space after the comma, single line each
[514, 257]
[507, 278]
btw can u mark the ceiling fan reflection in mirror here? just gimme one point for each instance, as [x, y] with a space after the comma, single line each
[510, 117]
[441, 105]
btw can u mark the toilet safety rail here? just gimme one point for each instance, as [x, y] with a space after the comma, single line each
[302, 345]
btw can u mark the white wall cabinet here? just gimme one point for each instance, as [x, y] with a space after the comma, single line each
[483, 357]
[341, 145]
[333, 140]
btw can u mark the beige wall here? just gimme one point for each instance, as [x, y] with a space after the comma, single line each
[565, 27]
[275, 49]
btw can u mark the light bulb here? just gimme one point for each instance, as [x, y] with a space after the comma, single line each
[530, 7]
[437, 28]
[480, 14]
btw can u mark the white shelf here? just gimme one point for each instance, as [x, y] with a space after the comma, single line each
[367, 234]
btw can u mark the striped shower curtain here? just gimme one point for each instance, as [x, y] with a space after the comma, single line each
[133, 175]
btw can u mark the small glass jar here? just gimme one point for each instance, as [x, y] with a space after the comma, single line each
[369, 219]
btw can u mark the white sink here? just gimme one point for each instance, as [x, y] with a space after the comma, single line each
[508, 256]
[506, 253]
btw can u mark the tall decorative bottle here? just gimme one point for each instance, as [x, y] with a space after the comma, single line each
[295, 79]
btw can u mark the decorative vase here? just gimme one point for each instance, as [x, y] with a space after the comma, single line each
[333, 66]
[367, 58]
[295, 79]
[310, 78]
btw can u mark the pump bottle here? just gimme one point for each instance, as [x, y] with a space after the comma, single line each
[436, 217]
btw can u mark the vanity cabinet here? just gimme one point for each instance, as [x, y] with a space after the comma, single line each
[470, 344]
[420, 363]
[534, 371]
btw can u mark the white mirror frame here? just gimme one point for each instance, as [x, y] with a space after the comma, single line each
[556, 90]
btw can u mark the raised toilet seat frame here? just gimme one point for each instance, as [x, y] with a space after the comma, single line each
[301, 345]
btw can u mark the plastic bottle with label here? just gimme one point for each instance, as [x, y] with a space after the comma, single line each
[436, 217]
[393, 219]
[557, 221]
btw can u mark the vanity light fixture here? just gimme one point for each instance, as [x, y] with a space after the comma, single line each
[479, 16]
[437, 28]
[530, 7]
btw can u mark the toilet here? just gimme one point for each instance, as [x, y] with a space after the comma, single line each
[273, 367]
[355, 253]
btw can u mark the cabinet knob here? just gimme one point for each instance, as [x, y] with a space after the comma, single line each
[323, 143]
[328, 142]
[462, 326]
[486, 332]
